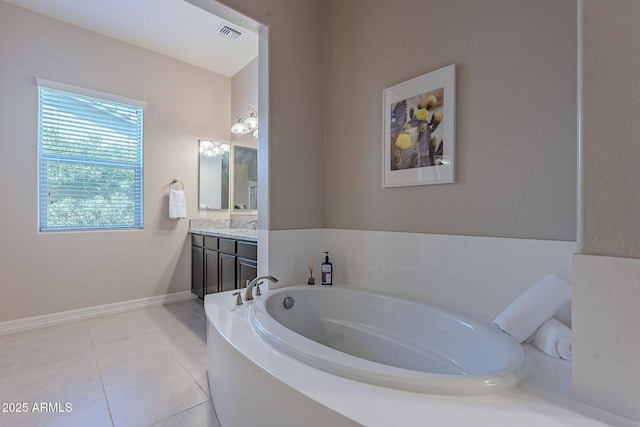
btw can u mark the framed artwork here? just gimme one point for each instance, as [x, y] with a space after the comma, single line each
[419, 130]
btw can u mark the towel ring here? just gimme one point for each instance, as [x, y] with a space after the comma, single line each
[175, 181]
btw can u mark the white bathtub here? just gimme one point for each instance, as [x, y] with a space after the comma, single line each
[389, 341]
[253, 383]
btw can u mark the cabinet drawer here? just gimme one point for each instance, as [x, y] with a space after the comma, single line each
[197, 240]
[227, 246]
[248, 250]
[211, 242]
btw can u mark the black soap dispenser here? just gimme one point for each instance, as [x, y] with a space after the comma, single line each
[326, 269]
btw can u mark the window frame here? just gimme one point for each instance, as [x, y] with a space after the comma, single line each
[44, 158]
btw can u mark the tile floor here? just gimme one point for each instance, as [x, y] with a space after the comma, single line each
[138, 368]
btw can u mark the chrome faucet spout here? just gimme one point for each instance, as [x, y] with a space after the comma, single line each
[248, 295]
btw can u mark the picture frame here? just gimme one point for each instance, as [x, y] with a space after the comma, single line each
[419, 122]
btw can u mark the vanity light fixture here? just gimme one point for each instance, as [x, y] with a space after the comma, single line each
[239, 127]
[246, 123]
[213, 148]
[252, 121]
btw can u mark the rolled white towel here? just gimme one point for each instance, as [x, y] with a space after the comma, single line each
[177, 206]
[537, 304]
[553, 338]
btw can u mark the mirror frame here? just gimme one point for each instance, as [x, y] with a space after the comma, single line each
[232, 160]
[200, 183]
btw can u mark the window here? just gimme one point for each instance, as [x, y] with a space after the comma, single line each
[90, 159]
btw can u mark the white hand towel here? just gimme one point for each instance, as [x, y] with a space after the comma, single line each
[537, 304]
[177, 206]
[553, 338]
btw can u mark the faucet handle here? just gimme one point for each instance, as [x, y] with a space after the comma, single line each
[258, 293]
[238, 298]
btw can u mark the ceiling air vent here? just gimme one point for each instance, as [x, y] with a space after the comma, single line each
[227, 32]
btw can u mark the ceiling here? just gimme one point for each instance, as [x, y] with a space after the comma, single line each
[173, 28]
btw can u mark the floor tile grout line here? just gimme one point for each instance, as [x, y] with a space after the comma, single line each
[93, 356]
[67, 370]
[207, 402]
[19, 347]
[104, 391]
[186, 368]
[206, 392]
[167, 346]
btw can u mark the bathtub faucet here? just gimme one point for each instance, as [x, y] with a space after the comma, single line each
[248, 295]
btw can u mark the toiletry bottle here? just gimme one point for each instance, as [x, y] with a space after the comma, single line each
[327, 271]
[311, 280]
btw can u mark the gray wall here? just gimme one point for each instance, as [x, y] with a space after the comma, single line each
[606, 286]
[44, 273]
[516, 115]
[244, 94]
[295, 111]
[516, 133]
[611, 107]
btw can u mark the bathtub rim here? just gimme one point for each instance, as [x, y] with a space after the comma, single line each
[354, 368]
[544, 398]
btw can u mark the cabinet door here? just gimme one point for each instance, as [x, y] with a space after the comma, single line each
[227, 272]
[211, 272]
[197, 271]
[247, 270]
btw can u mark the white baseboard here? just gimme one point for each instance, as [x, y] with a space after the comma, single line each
[29, 323]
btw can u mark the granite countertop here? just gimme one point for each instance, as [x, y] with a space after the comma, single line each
[234, 233]
[240, 230]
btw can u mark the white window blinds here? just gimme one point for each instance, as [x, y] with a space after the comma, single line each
[90, 161]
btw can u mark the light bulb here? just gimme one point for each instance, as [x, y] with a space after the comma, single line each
[252, 121]
[240, 128]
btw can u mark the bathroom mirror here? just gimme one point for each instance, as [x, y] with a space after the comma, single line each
[214, 175]
[245, 178]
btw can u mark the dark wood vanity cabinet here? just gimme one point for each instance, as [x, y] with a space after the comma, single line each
[197, 265]
[221, 264]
